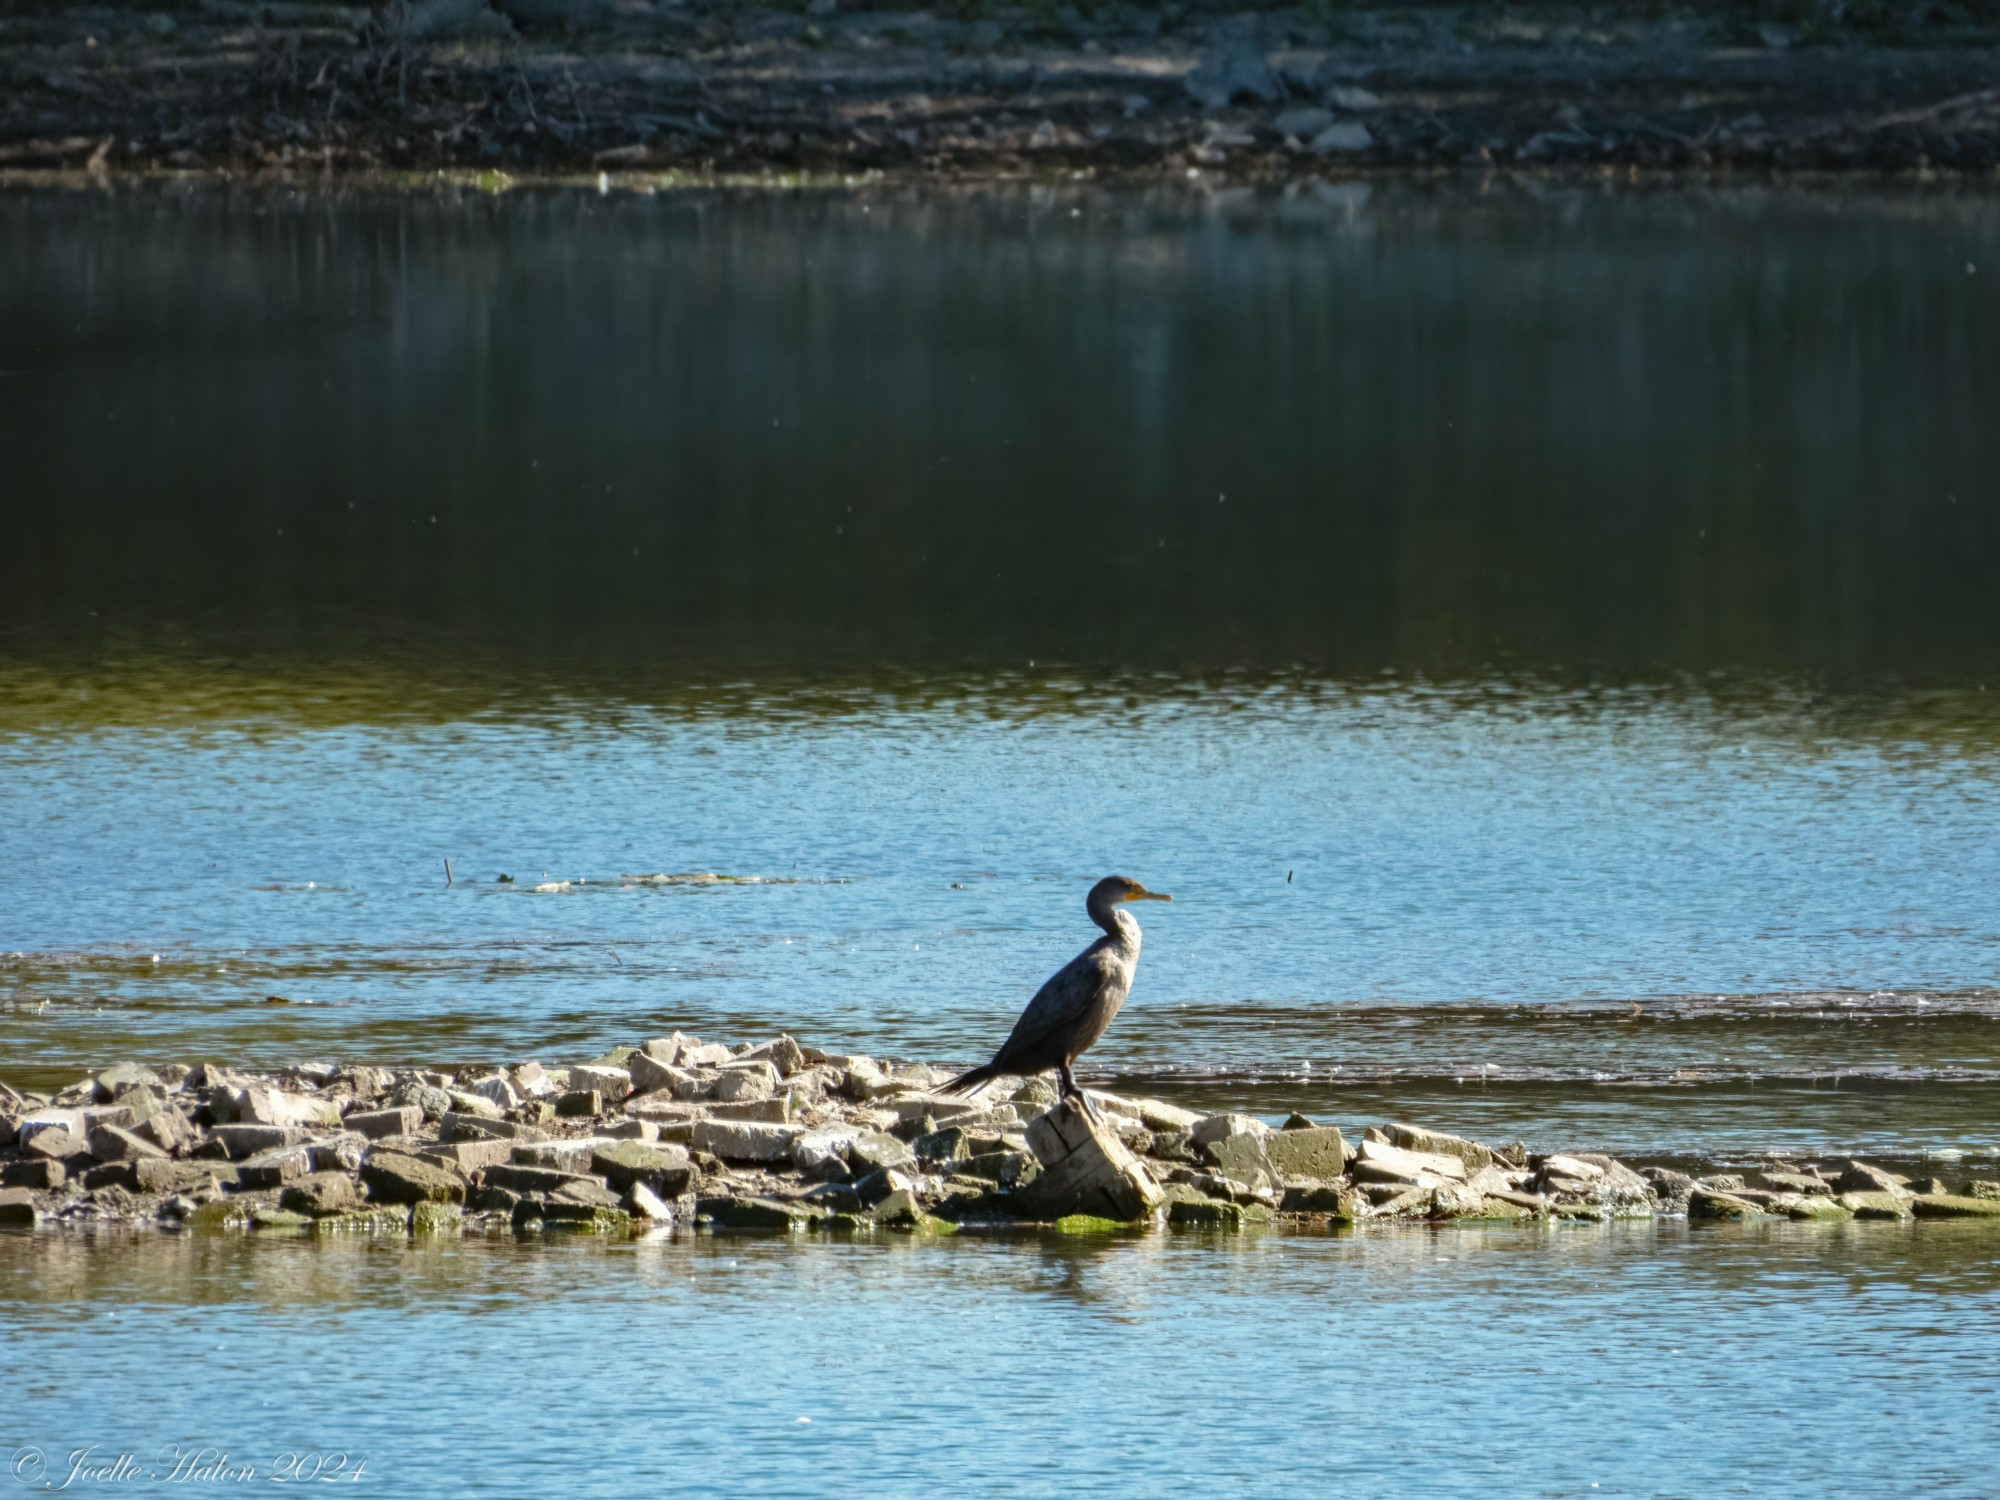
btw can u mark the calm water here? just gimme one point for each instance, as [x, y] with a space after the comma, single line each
[1543, 639]
[1604, 1360]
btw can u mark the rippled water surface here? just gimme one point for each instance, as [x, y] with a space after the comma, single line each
[1588, 1360]
[1543, 639]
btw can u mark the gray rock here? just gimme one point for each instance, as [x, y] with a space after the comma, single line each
[168, 1129]
[612, 1084]
[664, 1169]
[754, 1213]
[321, 1193]
[1414, 1138]
[1378, 1161]
[239, 1141]
[579, 1104]
[1865, 1177]
[1707, 1203]
[782, 1053]
[17, 1208]
[875, 1149]
[271, 1169]
[458, 1127]
[746, 1140]
[517, 1177]
[377, 1123]
[40, 1174]
[1318, 1152]
[1207, 1132]
[56, 1143]
[467, 1157]
[115, 1080]
[651, 1074]
[110, 1143]
[879, 1184]
[1085, 1170]
[394, 1178]
[267, 1106]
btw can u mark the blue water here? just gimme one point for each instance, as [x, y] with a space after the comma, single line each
[1593, 1360]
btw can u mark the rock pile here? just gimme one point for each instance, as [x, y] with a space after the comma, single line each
[683, 1133]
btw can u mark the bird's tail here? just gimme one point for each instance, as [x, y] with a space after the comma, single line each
[969, 1080]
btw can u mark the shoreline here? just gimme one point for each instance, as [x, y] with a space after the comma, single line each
[681, 1135]
[823, 93]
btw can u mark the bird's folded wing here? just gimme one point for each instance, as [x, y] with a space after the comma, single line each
[1071, 991]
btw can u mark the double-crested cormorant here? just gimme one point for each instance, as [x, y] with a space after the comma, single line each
[1070, 1012]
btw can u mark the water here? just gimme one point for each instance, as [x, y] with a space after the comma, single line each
[1543, 639]
[1487, 612]
[1605, 1360]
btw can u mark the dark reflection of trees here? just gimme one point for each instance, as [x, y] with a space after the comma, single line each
[1570, 436]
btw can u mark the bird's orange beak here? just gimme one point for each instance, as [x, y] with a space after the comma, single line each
[1142, 894]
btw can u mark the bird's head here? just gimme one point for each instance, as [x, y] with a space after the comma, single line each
[1113, 889]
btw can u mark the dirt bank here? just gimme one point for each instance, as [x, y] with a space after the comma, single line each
[629, 85]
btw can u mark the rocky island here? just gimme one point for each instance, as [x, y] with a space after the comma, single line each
[687, 1135]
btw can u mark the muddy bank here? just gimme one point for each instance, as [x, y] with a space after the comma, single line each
[630, 85]
[686, 1135]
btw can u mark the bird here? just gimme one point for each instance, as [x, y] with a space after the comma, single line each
[1072, 1010]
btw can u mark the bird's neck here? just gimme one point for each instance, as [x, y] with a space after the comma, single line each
[1117, 922]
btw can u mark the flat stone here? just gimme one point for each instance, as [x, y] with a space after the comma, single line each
[736, 1085]
[745, 1140]
[1954, 1206]
[571, 1156]
[664, 1169]
[651, 1074]
[267, 1106]
[111, 1143]
[579, 1104]
[1876, 1205]
[611, 1084]
[1817, 1206]
[168, 1129]
[1204, 1213]
[271, 1169]
[588, 1192]
[874, 1149]
[879, 1184]
[376, 1123]
[1212, 1128]
[321, 1193]
[467, 1156]
[1707, 1203]
[1007, 1169]
[1343, 139]
[1778, 1180]
[782, 1053]
[240, 1141]
[816, 1148]
[1333, 1199]
[185, 1176]
[56, 1143]
[753, 1213]
[467, 1102]
[525, 1179]
[463, 1127]
[1378, 1161]
[49, 1118]
[1316, 1152]
[582, 1218]
[776, 1110]
[498, 1090]
[1865, 1177]
[116, 1079]
[393, 1178]
[1437, 1143]
[40, 1173]
[17, 1208]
